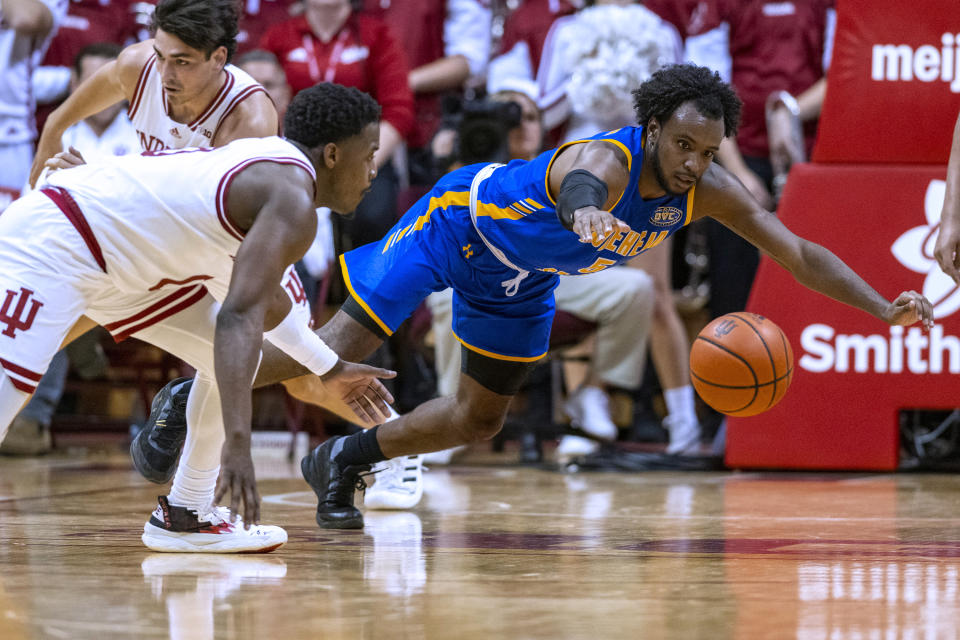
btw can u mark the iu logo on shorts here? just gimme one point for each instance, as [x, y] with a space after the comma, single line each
[21, 319]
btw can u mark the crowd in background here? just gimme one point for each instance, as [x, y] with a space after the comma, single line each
[435, 66]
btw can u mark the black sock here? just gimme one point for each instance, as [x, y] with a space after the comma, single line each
[360, 448]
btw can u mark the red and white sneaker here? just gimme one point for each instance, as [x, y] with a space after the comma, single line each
[179, 529]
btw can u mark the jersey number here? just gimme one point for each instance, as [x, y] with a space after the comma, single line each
[599, 265]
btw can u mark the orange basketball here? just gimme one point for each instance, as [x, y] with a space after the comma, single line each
[741, 364]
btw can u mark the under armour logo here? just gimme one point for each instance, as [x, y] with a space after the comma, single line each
[724, 328]
[467, 251]
[17, 321]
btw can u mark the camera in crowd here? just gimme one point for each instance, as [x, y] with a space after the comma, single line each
[481, 126]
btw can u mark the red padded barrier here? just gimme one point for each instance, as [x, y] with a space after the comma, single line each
[893, 89]
[853, 372]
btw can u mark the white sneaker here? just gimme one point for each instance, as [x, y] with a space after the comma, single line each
[444, 456]
[589, 409]
[398, 486]
[571, 447]
[179, 529]
[684, 436]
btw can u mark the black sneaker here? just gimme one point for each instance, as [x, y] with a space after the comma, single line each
[334, 487]
[156, 448]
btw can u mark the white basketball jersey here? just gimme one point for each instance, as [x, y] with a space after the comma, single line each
[159, 219]
[149, 111]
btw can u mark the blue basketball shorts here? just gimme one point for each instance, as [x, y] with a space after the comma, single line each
[435, 246]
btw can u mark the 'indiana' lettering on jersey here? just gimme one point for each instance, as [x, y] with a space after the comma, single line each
[516, 213]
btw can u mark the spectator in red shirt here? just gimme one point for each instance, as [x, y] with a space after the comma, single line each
[332, 43]
[447, 42]
[256, 17]
[771, 50]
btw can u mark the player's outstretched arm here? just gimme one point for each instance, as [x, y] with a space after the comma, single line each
[947, 248]
[586, 180]
[722, 197]
[113, 82]
[272, 203]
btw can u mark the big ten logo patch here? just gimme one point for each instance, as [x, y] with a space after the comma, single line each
[18, 311]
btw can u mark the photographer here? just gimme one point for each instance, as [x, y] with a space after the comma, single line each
[619, 300]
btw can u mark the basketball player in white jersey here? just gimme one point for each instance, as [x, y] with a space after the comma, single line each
[181, 89]
[103, 240]
[182, 92]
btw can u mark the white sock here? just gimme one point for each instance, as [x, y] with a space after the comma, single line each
[193, 488]
[680, 403]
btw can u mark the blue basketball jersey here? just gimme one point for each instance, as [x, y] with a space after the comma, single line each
[517, 214]
[497, 310]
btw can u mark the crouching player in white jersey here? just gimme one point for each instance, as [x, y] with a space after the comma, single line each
[182, 92]
[186, 250]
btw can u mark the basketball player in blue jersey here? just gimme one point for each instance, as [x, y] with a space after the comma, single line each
[500, 236]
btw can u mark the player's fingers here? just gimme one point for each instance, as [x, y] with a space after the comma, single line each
[381, 407]
[250, 515]
[256, 505]
[220, 490]
[378, 372]
[926, 312]
[582, 228]
[360, 409]
[379, 394]
[235, 494]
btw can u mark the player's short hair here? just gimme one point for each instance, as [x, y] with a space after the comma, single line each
[204, 25]
[328, 112]
[669, 87]
[109, 50]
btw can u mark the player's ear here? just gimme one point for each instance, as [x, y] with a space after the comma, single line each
[220, 56]
[330, 155]
[653, 130]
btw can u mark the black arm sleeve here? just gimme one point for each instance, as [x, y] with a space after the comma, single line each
[579, 188]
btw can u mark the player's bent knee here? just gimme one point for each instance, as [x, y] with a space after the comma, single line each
[477, 428]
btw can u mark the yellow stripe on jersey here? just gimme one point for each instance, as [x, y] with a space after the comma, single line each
[361, 301]
[497, 213]
[498, 356]
[448, 199]
[690, 205]
[533, 203]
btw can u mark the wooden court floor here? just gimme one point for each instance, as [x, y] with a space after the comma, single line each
[495, 550]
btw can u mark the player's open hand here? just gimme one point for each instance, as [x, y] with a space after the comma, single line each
[595, 225]
[360, 387]
[947, 250]
[910, 307]
[239, 480]
[65, 159]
